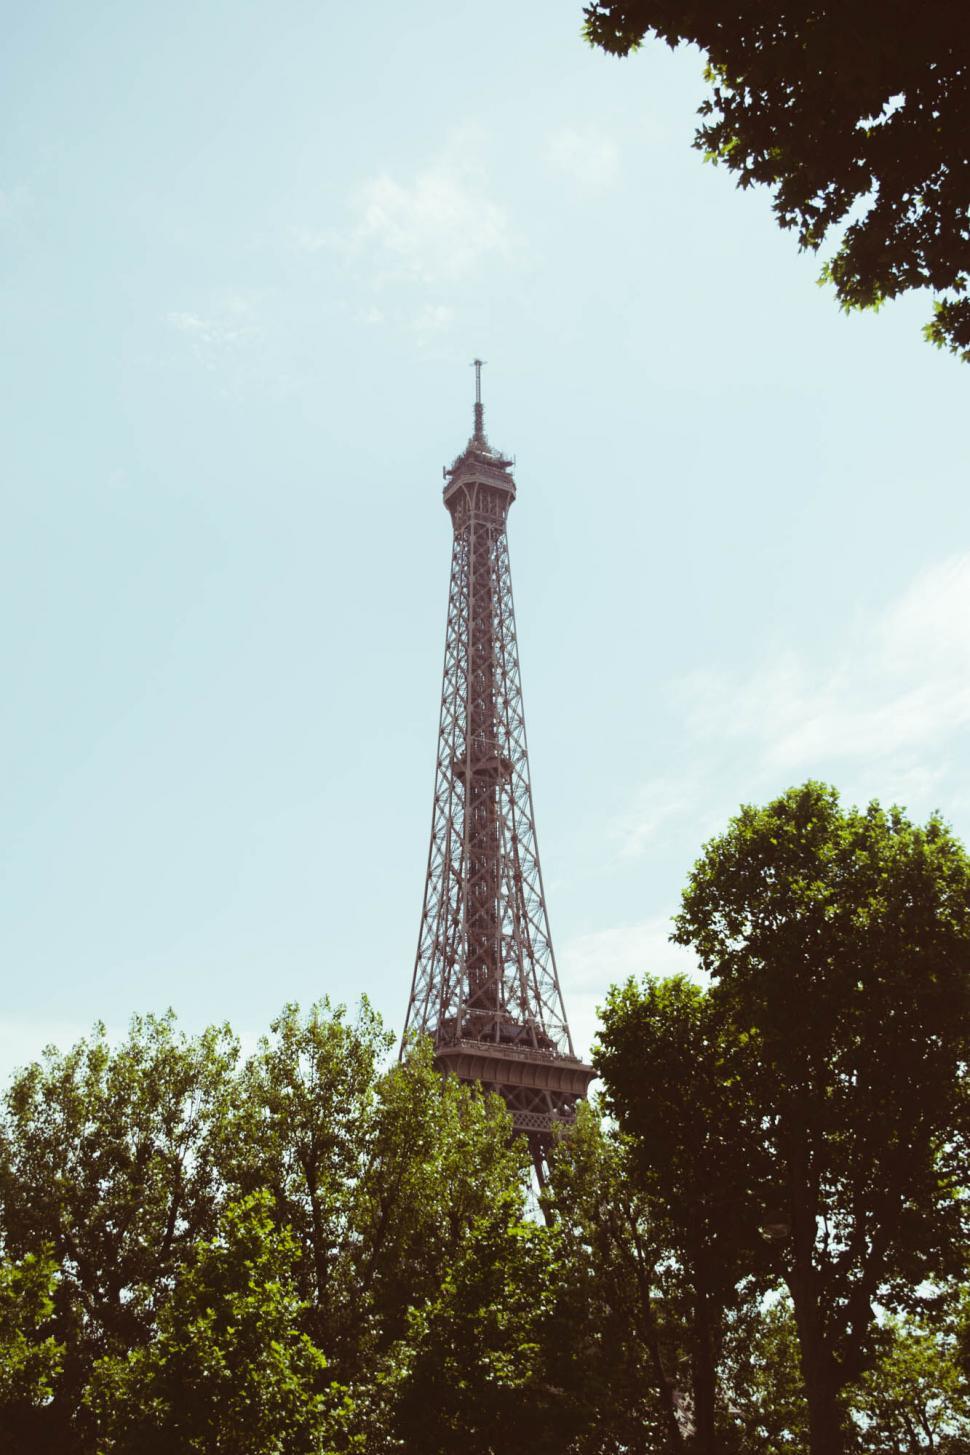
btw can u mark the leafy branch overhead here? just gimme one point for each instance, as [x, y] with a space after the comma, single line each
[857, 116]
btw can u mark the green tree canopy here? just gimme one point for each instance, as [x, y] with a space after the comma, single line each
[475, 1354]
[229, 1371]
[674, 1072]
[857, 116]
[380, 1173]
[30, 1357]
[183, 1233]
[839, 941]
[107, 1157]
[316, 1251]
[625, 1302]
[917, 1397]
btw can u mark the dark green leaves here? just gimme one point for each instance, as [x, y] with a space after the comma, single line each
[856, 116]
[807, 1115]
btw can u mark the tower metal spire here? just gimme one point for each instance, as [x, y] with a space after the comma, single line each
[485, 985]
[479, 433]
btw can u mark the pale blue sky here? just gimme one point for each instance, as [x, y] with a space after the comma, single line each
[248, 250]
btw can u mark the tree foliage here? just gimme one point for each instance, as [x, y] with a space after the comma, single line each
[30, 1358]
[675, 1079]
[297, 1232]
[476, 1352]
[108, 1159]
[625, 1306]
[758, 1251]
[917, 1397]
[828, 1064]
[229, 1368]
[857, 116]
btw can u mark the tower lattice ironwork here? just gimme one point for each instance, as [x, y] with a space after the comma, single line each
[485, 985]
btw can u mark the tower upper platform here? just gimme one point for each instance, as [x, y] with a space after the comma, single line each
[478, 461]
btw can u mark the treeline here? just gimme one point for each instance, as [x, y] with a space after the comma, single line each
[754, 1245]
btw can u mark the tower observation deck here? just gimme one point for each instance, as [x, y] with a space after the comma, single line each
[485, 985]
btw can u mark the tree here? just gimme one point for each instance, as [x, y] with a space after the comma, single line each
[117, 1165]
[764, 1381]
[379, 1173]
[475, 1381]
[301, 1127]
[229, 1372]
[857, 116]
[839, 942]
[30, 1357]
[107, 1158]
[623, 1313]
[674, 1072]
[916, 1398]
[441, 1157]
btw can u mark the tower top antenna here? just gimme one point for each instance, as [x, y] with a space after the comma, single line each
[479, 406]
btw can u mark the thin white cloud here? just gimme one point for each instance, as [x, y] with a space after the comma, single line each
[591, 963]
[896, 694]
[226, 326]
[435, 228]
[886, 716]
[219, 340]
[431, 321]
[657, 803]
[585, 154]
[428, 323]
[191, 323]
[411, 243]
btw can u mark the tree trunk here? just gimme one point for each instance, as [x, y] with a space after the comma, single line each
[823, 1386]
[649, 1335]
[665, 1386]
[705, 1441]
[826, 1426]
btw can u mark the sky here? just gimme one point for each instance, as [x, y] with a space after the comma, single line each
[247, 251]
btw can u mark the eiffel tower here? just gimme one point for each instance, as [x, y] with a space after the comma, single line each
[485, 986]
